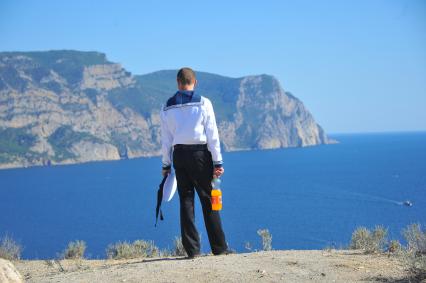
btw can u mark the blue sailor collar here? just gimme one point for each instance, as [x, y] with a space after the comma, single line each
[185, 92]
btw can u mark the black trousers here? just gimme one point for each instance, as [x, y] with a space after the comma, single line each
[194, 169]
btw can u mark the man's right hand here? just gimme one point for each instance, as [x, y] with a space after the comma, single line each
[218, 171]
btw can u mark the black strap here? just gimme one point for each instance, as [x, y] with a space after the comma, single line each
[159, 199]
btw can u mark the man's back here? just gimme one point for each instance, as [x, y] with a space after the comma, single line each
[190, 138]
[188, 118]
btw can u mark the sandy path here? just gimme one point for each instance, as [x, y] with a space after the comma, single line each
[274, 266]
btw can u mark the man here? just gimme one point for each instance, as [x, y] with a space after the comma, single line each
[189, 134]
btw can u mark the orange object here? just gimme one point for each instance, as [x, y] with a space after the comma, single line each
[216, 199]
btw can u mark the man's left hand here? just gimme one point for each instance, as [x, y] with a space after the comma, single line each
[165, 172]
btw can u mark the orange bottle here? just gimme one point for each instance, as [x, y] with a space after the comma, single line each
[216, 197]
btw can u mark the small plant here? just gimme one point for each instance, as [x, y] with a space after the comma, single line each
[179, 250]
[146, 248]
[369, 241]
[165, 252]
[266, 239]
[139, 248]
[394, 247]
[9, 249]
[75, 250]
[415, 255]
[248, 246]
[416, 239]
[119, 250]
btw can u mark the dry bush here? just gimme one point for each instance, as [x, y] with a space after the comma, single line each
[75, 250]
[266, 239]
[415, 255]
[248, 246]
[179, 250]
[416, 239]
[139, 248]
[369, 241]
[394, 247]
[9, 249]
[165, 252]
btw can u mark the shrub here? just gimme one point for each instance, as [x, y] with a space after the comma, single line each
[138, 248]
[179, 250]
[394, 246]
[416, 248]
[369, 241]
[165, 252]
[146, 248]
[266, 239]
[416, 239]
[248, 246]
[75, 250]
[9, 249]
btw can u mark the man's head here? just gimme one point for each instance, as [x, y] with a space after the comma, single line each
[186, 79]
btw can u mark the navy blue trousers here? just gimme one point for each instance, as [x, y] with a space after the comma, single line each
[194, 170]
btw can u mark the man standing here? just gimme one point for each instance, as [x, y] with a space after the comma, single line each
[189, 133]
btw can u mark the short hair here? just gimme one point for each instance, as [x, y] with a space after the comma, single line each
[186, 76]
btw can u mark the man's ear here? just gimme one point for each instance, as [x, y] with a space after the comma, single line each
[195, 83]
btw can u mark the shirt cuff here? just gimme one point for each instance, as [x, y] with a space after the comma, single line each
[218, 164]
[167, 167]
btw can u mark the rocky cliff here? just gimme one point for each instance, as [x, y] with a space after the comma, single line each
[60, 107]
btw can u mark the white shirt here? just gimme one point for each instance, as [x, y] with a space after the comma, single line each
[189, 119]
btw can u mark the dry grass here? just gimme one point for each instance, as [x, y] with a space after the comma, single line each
[369, 241]
[179, 250]
[137, 249]
[266, 239]
[75, 250]
[9, 249]
[415, 252]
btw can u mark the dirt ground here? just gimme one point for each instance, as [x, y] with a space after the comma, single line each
[273, 266]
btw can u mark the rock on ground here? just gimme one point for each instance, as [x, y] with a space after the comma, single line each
[8, 272]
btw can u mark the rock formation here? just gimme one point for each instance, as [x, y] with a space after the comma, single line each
[8, 272]
[59, 107]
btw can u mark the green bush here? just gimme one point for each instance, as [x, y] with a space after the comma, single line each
[63, 138]
[369, 241]
[266, 239]
[138, 248]
[16, 141]
[9, 249]
[75, 250]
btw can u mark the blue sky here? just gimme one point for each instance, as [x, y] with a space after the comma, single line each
[359, 66]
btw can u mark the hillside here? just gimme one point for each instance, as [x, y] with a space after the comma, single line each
[59, 107]
[274, 266]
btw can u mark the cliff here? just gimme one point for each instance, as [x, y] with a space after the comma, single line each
[59, 107]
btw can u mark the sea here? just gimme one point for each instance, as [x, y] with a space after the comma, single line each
[308, 198]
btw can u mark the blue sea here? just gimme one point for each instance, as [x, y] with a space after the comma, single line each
[308, 198]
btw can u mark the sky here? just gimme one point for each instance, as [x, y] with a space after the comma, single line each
[358, 66]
